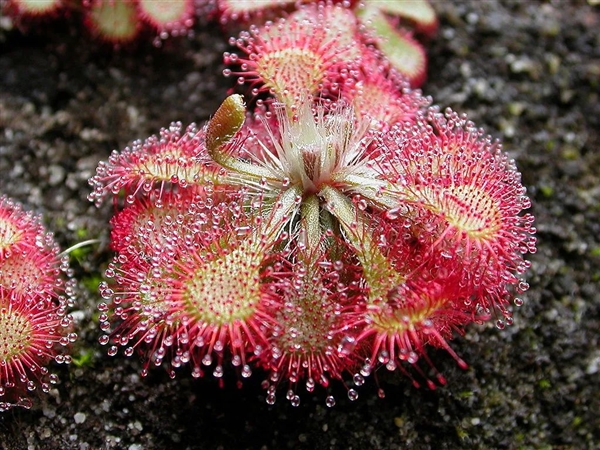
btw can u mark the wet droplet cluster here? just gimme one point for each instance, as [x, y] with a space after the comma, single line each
[34, 301]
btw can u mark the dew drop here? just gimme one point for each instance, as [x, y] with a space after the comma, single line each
[358, 379]
[330, 401]
[392, 214]
[352, 394]
[246, 371]
[412, 358]
[366, 370]
[383, 357]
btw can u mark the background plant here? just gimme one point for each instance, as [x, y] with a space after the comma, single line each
[35, 297]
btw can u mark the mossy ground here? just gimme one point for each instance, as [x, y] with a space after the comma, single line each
[527, 72]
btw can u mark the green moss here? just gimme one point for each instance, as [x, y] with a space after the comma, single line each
[550, 145]
[595, 251]
[91, 282]
[516, 108]
[570, 153]
[546, 191]
[462, 433]
[84, 358]
[544, 384]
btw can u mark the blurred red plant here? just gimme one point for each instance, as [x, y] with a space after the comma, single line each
[34, 301]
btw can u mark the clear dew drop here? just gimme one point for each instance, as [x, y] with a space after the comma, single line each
[246, 371]
[412, 358]
[352, 394]
[393, 214]
[330, 401]
[365, 371]
[383, 357]
[358, 379]
[271, 399]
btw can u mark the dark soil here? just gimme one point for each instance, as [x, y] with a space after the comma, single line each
[528, 72]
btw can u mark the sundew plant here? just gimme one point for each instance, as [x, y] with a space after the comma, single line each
[339, 225]
[329, 221]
